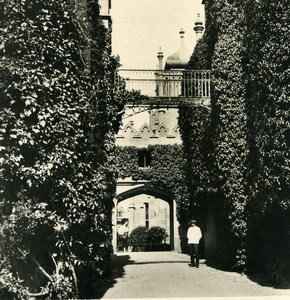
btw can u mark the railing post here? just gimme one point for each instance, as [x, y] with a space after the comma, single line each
[169, 89]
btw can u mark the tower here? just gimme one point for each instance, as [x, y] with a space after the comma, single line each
[198, 28]
[160, 59]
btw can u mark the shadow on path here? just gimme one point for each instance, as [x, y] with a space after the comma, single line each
[118, 264]
[116, 270]
[269, 281]
[215, 265]
[259, 278]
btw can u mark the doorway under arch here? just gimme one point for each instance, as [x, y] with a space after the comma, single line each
[144, 195]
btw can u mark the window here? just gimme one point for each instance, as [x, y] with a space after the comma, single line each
[144, 158]
[2, 14]
[146, 214]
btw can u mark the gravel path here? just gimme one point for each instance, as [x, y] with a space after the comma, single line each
[168, 275]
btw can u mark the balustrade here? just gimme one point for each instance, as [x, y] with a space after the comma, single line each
[167, 83]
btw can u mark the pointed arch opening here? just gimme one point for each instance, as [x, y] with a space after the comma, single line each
[148, 205]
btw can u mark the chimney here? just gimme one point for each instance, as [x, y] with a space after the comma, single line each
[160, 59]
[198, 28]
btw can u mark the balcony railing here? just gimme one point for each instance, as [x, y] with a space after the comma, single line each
[189, 84]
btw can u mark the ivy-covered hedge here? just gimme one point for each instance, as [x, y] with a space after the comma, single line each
[246, 44]
[57, 113]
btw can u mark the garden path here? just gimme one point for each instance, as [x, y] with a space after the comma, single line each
[168, 275]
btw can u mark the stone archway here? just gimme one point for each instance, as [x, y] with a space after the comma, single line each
[130, 189]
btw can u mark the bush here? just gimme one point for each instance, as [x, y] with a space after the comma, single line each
[138, 238]
[123, 241]
[156, 234]
[142, 238]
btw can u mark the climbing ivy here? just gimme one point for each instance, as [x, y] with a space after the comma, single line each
[57, 114]
[194, 123]
[246, 44]
[230, 139]
[166, 172]
[223, 131]
[266, 61]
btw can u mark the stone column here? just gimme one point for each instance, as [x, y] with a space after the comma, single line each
[131, 216]
[114, 219]
[177, 241]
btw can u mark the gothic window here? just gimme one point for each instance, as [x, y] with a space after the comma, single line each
[144, 158]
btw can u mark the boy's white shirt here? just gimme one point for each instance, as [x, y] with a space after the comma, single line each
[194, 235]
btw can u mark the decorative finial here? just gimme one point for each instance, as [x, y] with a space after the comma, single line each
[198, 19]
[198, 28]
[181, 32]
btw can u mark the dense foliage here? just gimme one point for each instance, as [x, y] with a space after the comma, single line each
[193, 126]
[138, 238]
[156, 234]
[166, 172]
[246, 44]
[142, 238]
[267, 65]
[229, 140]
[57, 115]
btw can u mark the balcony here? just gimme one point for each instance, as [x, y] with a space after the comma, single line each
[168, 87]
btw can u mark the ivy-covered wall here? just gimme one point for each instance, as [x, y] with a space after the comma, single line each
[246, 45]
[266, 62]
[229, 139]
[165, 173]
[57, 117]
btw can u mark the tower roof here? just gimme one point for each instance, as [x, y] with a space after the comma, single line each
[198, 28]
[179, 59]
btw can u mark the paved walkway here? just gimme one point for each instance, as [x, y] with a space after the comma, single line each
[168, 275]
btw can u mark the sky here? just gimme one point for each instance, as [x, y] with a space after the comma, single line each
[140, 27]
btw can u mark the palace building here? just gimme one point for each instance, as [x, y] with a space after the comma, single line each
[136, 203]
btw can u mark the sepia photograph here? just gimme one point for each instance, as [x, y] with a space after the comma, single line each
[144, 149]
